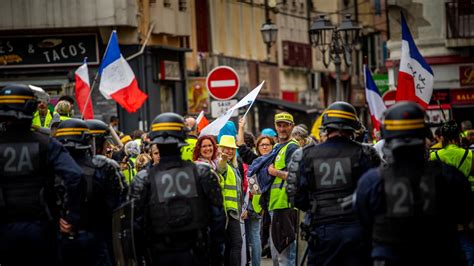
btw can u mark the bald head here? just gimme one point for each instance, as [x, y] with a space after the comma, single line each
[190, 123]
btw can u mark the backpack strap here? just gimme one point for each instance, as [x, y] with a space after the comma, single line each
[466, 152]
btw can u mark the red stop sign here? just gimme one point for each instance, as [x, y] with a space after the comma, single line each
[222, 83]
[389, 98]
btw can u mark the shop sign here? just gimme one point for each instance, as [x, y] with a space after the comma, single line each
[198, 96]
[48, 50]
[218, 108]
[441, 97]
[466, 75]
[381, 80]
[464, 96]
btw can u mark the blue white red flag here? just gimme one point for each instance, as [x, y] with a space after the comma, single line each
[415, 77]
[373, 98]
[117, 79]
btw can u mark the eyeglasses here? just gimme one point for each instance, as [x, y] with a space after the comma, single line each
[265, 145]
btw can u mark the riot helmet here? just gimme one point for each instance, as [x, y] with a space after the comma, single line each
[17, 101]
[100, 133]
[341, 116]
[98, 129]
[404, 125]
[73, 133]
[168, 128]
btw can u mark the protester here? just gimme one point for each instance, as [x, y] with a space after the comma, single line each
[206, 151]
[231, 184]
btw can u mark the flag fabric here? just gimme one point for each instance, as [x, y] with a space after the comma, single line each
[415, 77]
[249, 98]
[201, 121]
[214, 127]
[374, 100]
[316, 126]
[83, 91]
[117, 80]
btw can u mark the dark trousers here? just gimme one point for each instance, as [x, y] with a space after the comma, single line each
[339, 244]
[28, 243]
[85, 248]
[233, 245]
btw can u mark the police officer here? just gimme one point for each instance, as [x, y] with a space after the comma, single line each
[101, 136]
[328, 175]
[116, 189]
[180, 201]
[412, 206]
[88, 245]
[29, 162]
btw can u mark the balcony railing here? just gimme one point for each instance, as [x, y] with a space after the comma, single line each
[460, 19]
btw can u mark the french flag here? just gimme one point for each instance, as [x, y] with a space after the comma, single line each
[117, 79]
[83, 91]
[373, 98]
[415, 77]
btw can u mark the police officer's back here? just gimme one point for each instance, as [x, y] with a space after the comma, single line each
[412, 206]
[179, 201]
[89, 245]
[327, 177]
[29, 162]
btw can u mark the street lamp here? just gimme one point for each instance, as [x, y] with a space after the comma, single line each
[337, 40]
[269, 31]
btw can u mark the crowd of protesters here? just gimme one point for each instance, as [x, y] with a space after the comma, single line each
[254, 178]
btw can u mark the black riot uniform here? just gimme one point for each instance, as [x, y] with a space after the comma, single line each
[179, 203]
[90, 245]
[29, 161]
[412, 206]
[324, 177]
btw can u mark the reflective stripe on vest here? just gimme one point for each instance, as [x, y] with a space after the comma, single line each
[188, 150]
[278, 196]
[229, 190]
[37, 120]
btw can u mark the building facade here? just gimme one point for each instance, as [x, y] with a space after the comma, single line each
[43, 42]
[444, 34]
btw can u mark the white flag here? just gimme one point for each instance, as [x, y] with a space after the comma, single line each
[214, 127]
[249, 98]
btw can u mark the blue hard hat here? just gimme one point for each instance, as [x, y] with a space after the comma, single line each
[268, 132]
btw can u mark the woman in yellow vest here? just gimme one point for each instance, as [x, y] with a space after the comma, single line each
[231, 183]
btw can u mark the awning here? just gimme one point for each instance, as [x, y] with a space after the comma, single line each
[281, 104]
